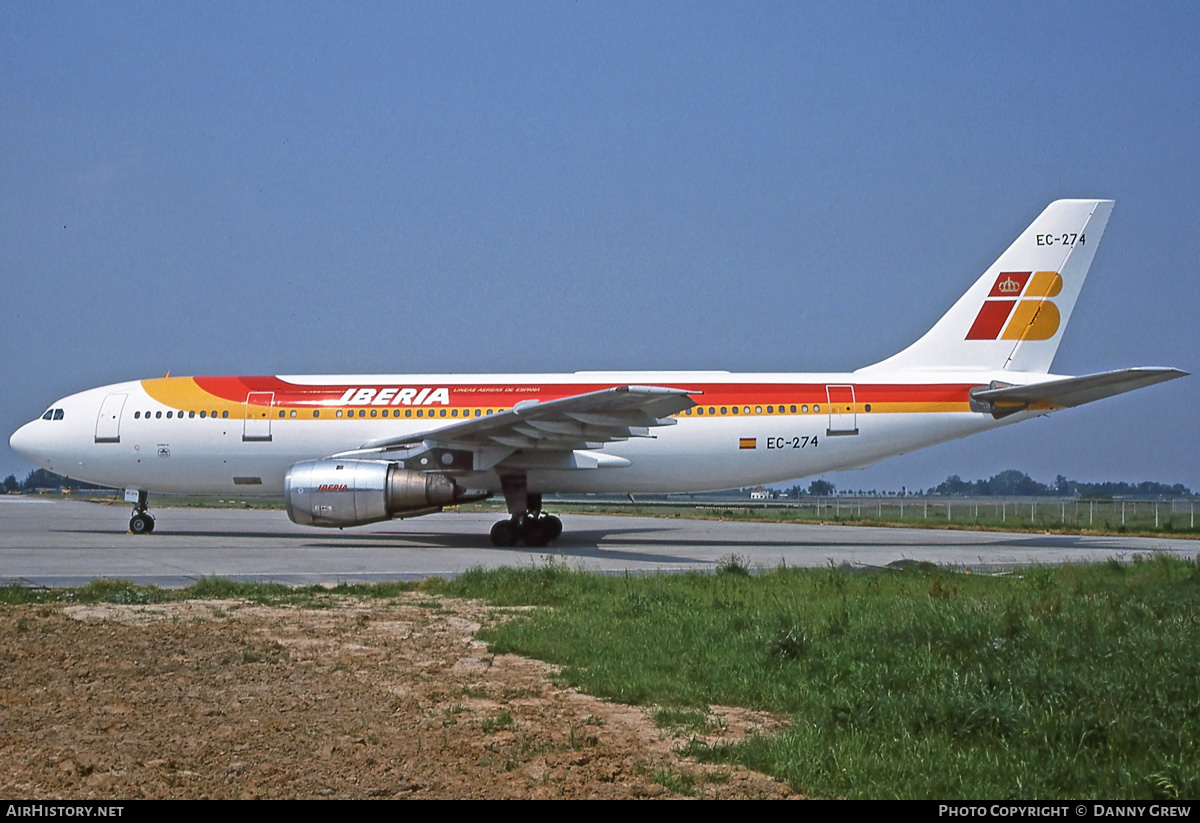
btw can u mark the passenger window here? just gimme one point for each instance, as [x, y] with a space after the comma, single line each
[158, 415]
[735, 409]
[408, 412]
[804, 409]
[191, 414]
[137, 415]
[793, 409]
[338, 413]
[169, 415]
[454, 413]
[282, 414]
[373, 412]
[770, 409]
[316, 412]
[292, 414]
[203, 414]
[224, 415]
[816, 408]
[758, 409]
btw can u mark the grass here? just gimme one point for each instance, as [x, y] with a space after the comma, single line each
[503, 720]
[921, 682]
[685, 721]
[103, 590]
[1053, 683]
[1052, 515]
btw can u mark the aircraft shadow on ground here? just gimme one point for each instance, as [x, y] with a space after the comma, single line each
[585, 543]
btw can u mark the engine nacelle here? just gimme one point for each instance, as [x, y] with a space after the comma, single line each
[356, 492]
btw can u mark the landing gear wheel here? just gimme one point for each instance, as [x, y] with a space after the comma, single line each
[504, 534]
[537, 532]
[552, 525]
[141, 524]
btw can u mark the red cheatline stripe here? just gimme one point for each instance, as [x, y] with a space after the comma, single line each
[235, 389]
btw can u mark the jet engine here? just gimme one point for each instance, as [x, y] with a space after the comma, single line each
[341, 493]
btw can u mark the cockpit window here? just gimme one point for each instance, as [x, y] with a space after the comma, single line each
[49, 415]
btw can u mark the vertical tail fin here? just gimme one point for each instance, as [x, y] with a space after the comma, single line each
[1014, 316]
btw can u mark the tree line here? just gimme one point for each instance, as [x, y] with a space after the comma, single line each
[1009, 483]
[44, 479]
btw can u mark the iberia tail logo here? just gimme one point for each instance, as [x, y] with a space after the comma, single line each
[1019, 307]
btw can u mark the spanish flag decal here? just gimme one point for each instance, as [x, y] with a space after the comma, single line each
[747, 442]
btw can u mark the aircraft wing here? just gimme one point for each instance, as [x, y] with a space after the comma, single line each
[565, 426]
[1070, 391]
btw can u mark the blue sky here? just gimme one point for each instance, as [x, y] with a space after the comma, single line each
[409, 187]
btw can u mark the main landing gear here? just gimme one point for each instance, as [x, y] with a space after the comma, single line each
[527, 523]
[142, 522]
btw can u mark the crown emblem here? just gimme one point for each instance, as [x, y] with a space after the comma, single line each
[1009, 286]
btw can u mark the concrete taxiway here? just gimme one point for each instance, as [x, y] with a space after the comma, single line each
[68, 543]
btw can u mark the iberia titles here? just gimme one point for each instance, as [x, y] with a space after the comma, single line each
[395, 397]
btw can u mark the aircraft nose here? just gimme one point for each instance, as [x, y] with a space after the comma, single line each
[26, 441]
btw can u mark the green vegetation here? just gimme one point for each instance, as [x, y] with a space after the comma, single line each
[503, 720]
[923, 682]
[1012, 482]
[1070, 682]
[685, 721]
[215, 588]
[1179, 518]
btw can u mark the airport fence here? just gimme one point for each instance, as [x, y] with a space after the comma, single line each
[1178, 514]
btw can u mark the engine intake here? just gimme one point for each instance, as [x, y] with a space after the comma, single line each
[341, 493]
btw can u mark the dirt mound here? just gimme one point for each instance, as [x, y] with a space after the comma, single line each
[227, 699]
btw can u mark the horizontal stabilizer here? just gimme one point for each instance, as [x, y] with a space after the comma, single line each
[1069, 391]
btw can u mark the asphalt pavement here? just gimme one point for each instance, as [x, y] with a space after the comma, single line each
[67, 543]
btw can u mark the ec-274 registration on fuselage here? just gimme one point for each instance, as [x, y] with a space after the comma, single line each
[349, 450]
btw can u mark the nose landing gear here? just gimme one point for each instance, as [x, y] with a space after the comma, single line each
[142, 521]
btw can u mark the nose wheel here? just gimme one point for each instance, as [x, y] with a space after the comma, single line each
[142, 521]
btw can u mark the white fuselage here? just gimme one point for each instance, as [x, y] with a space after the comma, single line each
[240, 435]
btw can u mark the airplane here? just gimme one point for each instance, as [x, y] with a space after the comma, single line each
[347, 450]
